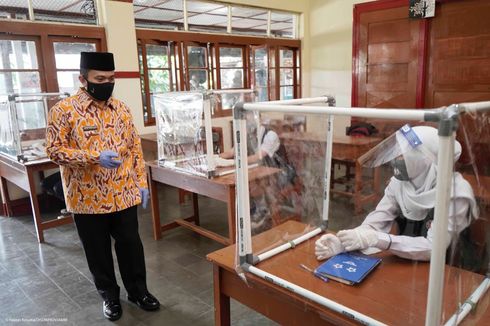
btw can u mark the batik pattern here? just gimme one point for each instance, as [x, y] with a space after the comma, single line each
[78, 130]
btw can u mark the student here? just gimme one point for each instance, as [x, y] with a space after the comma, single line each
[92, 137]
[263, 145]
[408, 201]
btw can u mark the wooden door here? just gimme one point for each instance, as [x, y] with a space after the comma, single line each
[387, 61]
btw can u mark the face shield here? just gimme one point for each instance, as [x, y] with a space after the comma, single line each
[409, 151]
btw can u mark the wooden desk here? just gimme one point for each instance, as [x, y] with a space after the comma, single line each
[219, 188]
[346, 150]
[395, 293]
[22, 175]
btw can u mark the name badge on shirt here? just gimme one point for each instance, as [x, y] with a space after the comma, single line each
[90, 128]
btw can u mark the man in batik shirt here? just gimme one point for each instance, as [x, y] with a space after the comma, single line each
[92, 137]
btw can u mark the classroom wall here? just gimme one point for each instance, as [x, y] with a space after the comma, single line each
[330, 53]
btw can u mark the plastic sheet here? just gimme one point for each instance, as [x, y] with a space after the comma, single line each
[183, 120]
[23, 124]
[384, 216]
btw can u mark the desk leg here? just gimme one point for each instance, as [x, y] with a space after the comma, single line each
[221, 301]
[155, 208]
[358, 188]
[195, 208]
[35, 206]
[231, 214]
[5, 196]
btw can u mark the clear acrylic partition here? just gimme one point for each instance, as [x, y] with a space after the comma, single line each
[286, 203]
[183, 140]
[23, 124]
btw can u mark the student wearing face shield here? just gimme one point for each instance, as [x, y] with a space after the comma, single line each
[408, 201]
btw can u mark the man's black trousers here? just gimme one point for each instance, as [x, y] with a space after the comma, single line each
[95, 231]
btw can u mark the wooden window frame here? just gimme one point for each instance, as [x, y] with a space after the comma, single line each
[68, 39]
[212, 42]
[146, 100]
[45, 33]
[39, 57]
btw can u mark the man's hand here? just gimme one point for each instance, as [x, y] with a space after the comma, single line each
[106, 160]
[144, 193]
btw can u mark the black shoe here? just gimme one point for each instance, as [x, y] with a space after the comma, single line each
[112, 309]
[146, 302]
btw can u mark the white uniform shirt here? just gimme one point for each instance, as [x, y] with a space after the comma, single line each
[271, 142]
[416, 248]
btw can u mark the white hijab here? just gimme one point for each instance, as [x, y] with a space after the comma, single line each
[417, 196]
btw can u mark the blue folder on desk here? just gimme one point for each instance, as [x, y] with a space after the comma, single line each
[348, 268]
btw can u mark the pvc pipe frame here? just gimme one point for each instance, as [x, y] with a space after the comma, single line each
[315, 232]
[468, 305]
[441, 213]
[357, 316]
[446, 146]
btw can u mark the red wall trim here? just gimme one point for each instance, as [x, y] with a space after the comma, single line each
[422, 63]
[127, 74]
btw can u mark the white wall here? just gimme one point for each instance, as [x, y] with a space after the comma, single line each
[330, 44]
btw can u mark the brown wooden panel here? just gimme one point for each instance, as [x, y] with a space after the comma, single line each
[461, 72]
[461, 19]
[459, 53]
[388, 73]
[399, 30]
[387, 61]
[470, 47]
[396, 52]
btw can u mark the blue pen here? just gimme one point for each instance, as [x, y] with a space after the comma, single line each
[321, 277]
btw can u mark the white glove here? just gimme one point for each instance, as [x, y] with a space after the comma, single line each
[358, 238]
[223, 162]
[327, 246]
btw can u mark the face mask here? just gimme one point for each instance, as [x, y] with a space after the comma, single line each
[100, 92]
[400, 170]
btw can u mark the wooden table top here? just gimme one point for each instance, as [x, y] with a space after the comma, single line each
[394, 293]
[254, 173]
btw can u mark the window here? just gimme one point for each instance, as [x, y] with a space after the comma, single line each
[197, 67]
[232, 70]
[214, 17]
[67, 57]
[157, 73]
[66, 11]
[44, 57]
[203, 61]
[251, 21]
[19, 66]
[286, 74]
[260, 73]
[159, 14]
[207, 16]
[283, 24]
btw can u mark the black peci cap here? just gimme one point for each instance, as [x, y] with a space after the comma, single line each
[103, 61]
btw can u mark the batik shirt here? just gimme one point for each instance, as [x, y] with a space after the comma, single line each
[78, 130]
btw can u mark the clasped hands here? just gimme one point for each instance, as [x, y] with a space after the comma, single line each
[346, 240]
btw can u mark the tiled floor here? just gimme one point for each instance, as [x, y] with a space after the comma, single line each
[52, 280]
